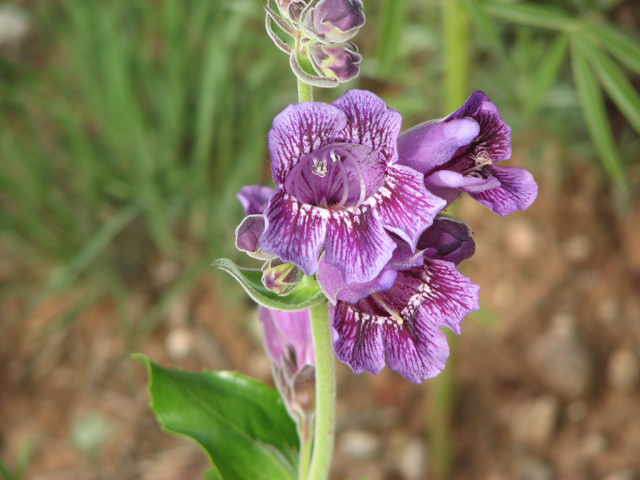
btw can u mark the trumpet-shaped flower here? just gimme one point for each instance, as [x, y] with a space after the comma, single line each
[339, 187]
[467, 163]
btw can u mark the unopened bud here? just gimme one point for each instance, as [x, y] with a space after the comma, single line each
[292, 9]
[280, 277]
[336, 61]
[334, 21]
[248, 237]
[449, 238]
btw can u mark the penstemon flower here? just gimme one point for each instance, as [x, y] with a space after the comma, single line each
[339, 187]
[399, 325]
[470, 166]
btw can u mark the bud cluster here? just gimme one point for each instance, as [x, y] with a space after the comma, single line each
[321, 30]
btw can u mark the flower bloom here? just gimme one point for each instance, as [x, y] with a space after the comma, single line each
[457, 154]
[340, 187]
[399, 325]
[288, 341]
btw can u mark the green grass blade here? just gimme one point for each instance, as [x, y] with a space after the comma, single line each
[595, 114]
[530, 14]
[617, 86]
[392, 20]
[483, 23]
[619, 45]
[94, 248]
[547, 71]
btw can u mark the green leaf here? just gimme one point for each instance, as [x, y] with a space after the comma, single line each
[618, 44]
[307, 293]
[240, 422]
[595, 114]
[530, 14]
[547, 71]
[212, 474]
[617, 86]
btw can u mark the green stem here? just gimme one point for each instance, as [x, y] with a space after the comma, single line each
[306, 442]
[456, 53]
[325, 394]
[305, 92]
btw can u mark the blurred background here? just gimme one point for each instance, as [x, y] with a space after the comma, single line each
[128, 126]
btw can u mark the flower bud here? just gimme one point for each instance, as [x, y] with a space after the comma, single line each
[449, 238]
[288, 341]
[292, 9]
[280, 277]
[334, 21]
[248, 237]
[336, 61]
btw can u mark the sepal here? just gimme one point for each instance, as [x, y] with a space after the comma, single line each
[306, 294]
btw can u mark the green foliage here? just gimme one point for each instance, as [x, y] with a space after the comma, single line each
[305, 295]
[239, 422]
[22, 463]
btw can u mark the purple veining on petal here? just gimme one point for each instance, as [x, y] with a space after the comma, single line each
[370, 122]
[449, 239]
[399, 325]
[517, 190]
[404, 206]
[362, 233]
[295, 232]
[299, 130]
[254, 198]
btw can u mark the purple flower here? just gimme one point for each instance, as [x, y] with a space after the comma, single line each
[340, 61]
[288, 341]
[334, 21]
[254, 198]
[395, 318]
[399, 326]
[457, 154]
[339, 187]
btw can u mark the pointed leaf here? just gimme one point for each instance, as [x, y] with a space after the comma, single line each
[595, 114]
[530, 14]
[305, 295]
[618, 44]
[547, 71]
[617, 86]
[241, 423]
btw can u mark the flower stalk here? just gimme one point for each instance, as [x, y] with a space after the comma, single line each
[325, 394]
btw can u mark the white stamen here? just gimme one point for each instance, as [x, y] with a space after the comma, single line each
[320, 167]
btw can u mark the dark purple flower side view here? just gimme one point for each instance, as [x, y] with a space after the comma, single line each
[470, 167]
[339, 187]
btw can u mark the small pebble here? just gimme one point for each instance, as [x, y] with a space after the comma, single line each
[624, 370]
[608, 311]
[626, 474]
[412, 459]
[179, 343]
[360, 444]
[529, 468]
[595, 445]
[520, 239]
[577, 248]
[534, 421]
[561, 360]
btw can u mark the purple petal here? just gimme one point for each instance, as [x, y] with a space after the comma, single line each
[359, 341]
[357, 244]
[404, 206]
[286, 334]
[449, 296]
[335, 288]
[370, 122]
[517, 190]
[248, 234]
[455, 180]
[449, 239]
[254, 198]
[433, 143]
[494, 136]
[298, 130]
[336, 21]
[295, 232]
